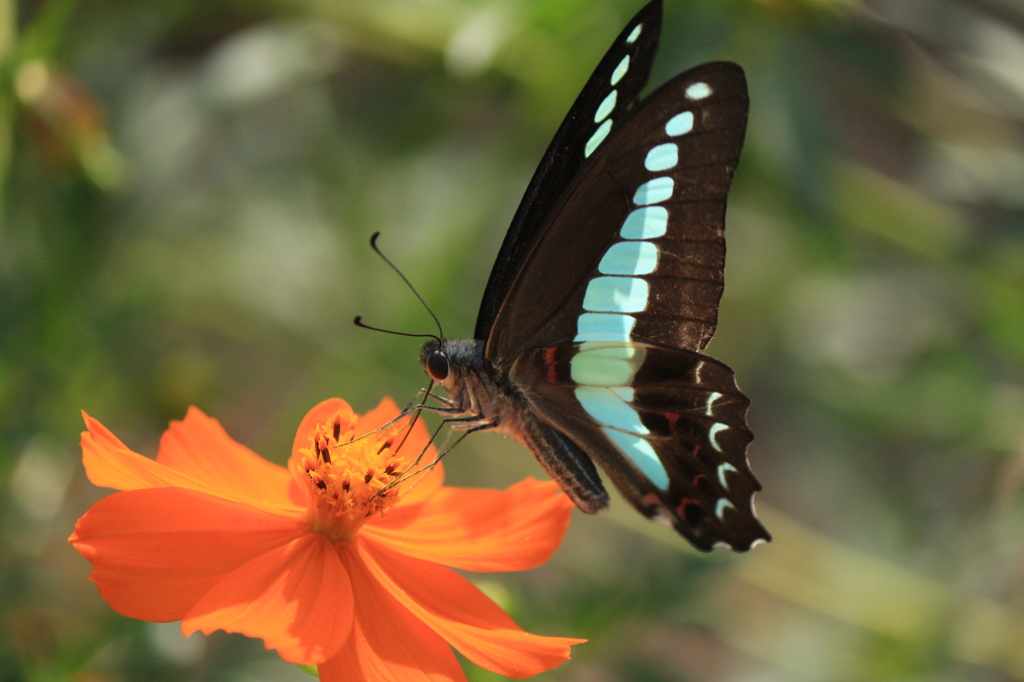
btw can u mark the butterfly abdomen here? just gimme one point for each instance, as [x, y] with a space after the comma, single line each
[491, 400]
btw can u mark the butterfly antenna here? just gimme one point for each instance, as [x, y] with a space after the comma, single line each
[373, 245]
[359, 323]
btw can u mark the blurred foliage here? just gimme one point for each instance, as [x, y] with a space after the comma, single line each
[186, 192]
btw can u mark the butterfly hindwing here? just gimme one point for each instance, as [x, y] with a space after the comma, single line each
[667, 425]
[639, 235]
[599, 109]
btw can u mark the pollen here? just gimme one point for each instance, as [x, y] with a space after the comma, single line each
[349, 477]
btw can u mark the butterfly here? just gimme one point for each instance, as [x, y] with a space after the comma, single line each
[605, 291]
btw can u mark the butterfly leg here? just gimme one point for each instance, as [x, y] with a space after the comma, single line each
[430, 394]
[443, 409]
[465, 424]
[468, 423]
[471, 423]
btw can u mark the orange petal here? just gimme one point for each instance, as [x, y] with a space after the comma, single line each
[200, 447]
[102, 434]
[387, 644]
[463, 615]
[478, 529]
[297, 598]
[110, 464]
[319, 414]
[155, 552]
[385, 411]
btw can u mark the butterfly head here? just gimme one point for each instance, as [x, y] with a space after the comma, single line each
[434, 359]
[453, 363]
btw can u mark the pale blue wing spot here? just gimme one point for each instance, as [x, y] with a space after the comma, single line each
[606, 106]
[642, 454]
[680, 124]
[624, 393]
[598, 363]
[605, 407]
[598, 137]
[698, 91]
[711, 401]
[654, 191]
[630, 258]
[722, 468]
[597, 370]
[616, 295]
[604, 327]
[713, 435]
[722, 505]
[648, 222]
[662, 157]
[621, 70]
[634, 34]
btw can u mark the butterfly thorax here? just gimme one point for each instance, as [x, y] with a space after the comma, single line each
[475, 386]
[487, 398]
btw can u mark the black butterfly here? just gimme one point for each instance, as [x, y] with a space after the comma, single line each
[605, 290]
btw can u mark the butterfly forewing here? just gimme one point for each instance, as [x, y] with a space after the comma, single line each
[620, 290]
[597, 113]
[638, 238]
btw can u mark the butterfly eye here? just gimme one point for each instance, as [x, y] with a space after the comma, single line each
[437, 366]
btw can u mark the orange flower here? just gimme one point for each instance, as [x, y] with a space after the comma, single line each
[319, 560]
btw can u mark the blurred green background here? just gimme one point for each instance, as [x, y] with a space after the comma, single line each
[186, 193]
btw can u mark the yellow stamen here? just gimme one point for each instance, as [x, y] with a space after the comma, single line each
[344, 479]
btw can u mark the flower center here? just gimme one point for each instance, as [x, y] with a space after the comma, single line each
[348, 480]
